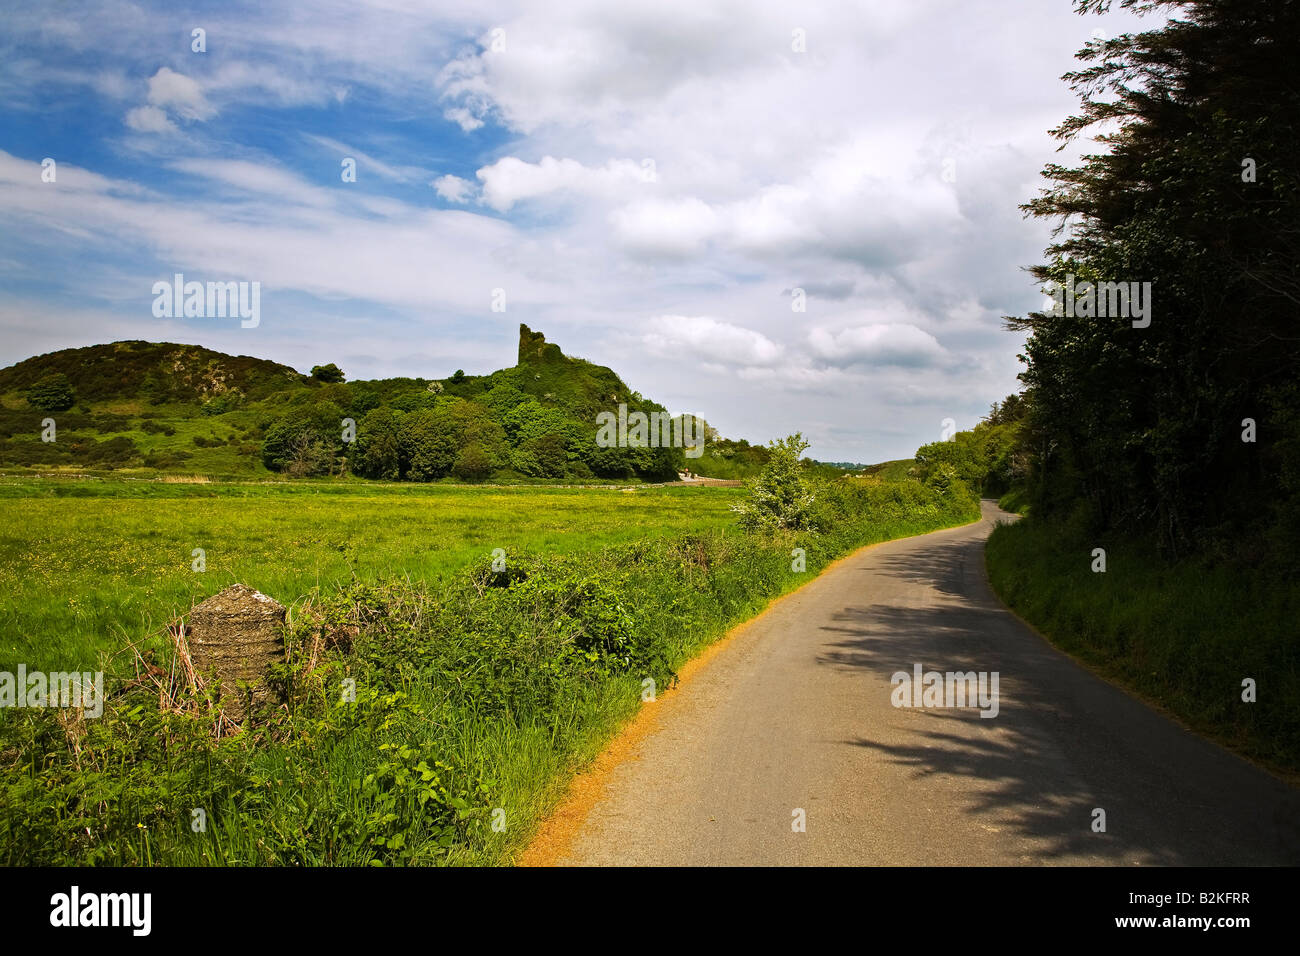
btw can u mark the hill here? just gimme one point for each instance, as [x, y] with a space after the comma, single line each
[157, 372]
[896, 470]
[147, 407]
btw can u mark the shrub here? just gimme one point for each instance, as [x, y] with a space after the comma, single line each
[53, 393]
[330, 373]
[217, 405]
[780, 499]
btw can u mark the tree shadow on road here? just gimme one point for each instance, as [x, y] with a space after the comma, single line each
[1063, 742]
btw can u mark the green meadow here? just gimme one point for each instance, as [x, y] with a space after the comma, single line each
[88, 566]
[449, 722]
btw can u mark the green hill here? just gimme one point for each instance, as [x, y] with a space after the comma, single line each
[156, 372]
[897, 470]
[144, 408]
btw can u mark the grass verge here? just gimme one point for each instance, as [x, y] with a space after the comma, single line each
[1182, 635]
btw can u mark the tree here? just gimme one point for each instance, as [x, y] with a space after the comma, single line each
[53, 393]
[780, 498]
[550, 453]
[1011, 409]
[608, 462]
[525, 463]
[987, 458]
[307, 455]
[472, 464]
[531, 419]
[962, 457]
[429, 445]
[1197, 192]
[379, 445]
[502, 397]
[305, 441]
[478, 428]
[327, 373]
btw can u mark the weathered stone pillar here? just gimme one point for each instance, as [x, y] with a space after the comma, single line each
[234, 638]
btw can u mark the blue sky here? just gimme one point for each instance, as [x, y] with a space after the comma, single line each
[647, 182]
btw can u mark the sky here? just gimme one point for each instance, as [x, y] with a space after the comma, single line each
[781, 216]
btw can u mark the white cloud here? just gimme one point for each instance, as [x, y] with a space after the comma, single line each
[511, 180]
[268, 181]
[466, 120]
[453, 188]
[672, 229]
[149, 119]
[269, 83]
[367, 162]
[312, 244]
[179, 94]
[706, 339]
[885, 344]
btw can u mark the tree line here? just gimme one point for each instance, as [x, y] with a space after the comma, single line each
[1188, 428]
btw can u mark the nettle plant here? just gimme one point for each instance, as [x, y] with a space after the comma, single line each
[781, 498]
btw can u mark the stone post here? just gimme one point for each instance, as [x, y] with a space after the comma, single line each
[234, 638]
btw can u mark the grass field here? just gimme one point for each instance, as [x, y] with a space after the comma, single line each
[86, 566]
[477, 695]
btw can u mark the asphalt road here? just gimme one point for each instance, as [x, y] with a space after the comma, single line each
[795, 714]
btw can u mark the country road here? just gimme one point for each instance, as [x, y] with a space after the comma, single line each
[794, 713]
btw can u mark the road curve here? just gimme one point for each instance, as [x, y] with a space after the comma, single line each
[794, 713]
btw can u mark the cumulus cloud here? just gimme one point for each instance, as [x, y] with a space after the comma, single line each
[885, 344]
[666, 228]
[511, 180]
[171, 95]
[710, 340]
[453, 188]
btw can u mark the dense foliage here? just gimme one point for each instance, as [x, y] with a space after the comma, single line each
[53, 393]
[327, 373]
[1162, 452]
[988, 459]
[1197, 191]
